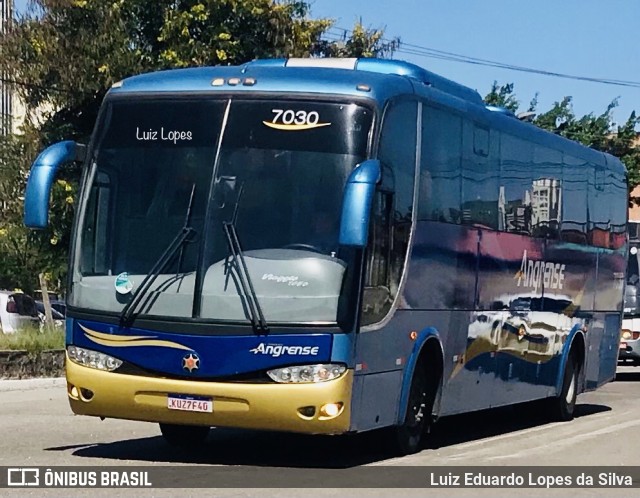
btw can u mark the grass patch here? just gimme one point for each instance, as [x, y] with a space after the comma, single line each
[32, 340]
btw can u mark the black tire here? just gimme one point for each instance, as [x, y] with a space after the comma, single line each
[408, 438]
[184, 436]
[563, 406]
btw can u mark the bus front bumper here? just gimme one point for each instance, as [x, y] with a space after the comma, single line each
[280, 407]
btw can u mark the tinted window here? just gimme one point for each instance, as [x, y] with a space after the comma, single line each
[480, 176]
[574, 204]
[440, 168]
[516, 181]
[619, 210]
[392, 211]
[546, 193]
[598, 202]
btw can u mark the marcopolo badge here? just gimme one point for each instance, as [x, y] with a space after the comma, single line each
[123, 283]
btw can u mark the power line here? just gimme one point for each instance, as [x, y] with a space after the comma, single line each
[339, 34]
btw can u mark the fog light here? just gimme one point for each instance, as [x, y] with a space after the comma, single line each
[73, 392]
[87, 394]
[307, 411]
[331, 410]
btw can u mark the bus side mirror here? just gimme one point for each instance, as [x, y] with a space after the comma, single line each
[356, 205]
[43, 172]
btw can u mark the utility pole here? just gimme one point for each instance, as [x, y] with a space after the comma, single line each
[48, 321]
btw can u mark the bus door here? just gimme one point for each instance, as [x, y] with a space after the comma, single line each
[383, 343]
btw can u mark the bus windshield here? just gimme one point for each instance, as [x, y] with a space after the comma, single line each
[276, 169]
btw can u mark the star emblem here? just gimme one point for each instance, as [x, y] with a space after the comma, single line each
[191, 362]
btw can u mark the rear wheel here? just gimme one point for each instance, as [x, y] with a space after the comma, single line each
[563, 406]
[184, 436]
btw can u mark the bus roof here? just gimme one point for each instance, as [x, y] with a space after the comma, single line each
[373, 79]
[377, 79]
[266, 77]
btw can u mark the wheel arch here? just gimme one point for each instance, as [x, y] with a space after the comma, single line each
[428, 352]
[575, 345]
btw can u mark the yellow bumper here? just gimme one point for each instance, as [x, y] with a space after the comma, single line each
[249, 406]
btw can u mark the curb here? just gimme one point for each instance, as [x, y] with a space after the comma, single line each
[31, 384]
[17, 364]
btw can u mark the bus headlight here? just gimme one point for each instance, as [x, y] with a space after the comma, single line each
[93, 359]
[307, 373]
[626, 334]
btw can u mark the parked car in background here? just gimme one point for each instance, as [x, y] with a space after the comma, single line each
[17, 310]
[56, 303]
[58, 318]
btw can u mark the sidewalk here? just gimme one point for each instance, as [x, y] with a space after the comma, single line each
[29, 384]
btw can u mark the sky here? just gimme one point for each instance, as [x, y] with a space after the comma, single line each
[592, 38]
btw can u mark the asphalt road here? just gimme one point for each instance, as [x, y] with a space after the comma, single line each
[38, 429]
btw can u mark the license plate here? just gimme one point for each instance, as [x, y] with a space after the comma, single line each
[189, 403]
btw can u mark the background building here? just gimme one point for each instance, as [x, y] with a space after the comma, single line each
[6, 107]
[634, 210]
[11, 109]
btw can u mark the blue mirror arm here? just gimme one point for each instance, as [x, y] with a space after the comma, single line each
[356, 206]
[43, 172]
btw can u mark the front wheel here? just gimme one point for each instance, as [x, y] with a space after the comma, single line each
[184, 436]
[563, 406]
[408, 437]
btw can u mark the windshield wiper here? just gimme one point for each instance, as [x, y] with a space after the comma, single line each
[187, 223]
[239, 263]
[165, 258]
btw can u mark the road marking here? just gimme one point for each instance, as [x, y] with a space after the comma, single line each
[567, 441]
[577, 429]
[530, 430]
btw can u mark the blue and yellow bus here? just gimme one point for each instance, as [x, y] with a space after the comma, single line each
[332, 246]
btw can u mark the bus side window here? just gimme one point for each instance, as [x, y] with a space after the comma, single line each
[516, 184]
[440, 175]
[618, 188]
[97, 210]
[378, 296]
[392, 211]
[598, 208]
[480, 175]
[574, 200]
[546, 193]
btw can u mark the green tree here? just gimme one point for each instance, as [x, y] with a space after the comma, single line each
[502, 96]
[25, 253]
[360, 42]
[199, 33]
